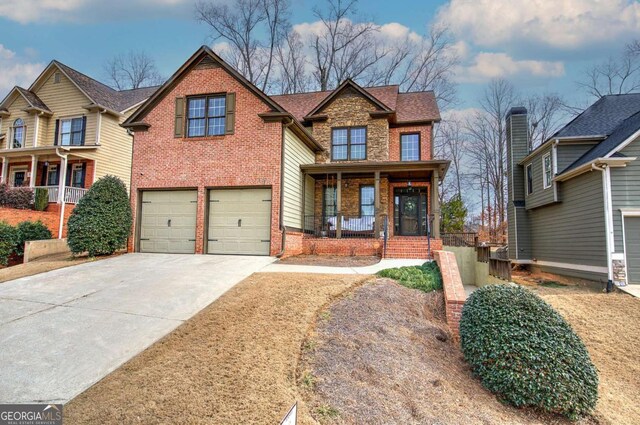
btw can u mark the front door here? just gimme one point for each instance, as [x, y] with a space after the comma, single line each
[410, 212]
[18, 178]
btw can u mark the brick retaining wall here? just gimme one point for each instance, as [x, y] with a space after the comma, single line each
[454, 294]
[341, 246]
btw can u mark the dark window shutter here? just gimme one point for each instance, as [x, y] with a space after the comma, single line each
[231, 113]
[67, 180]
[43, 177]
[55, 138]
[84, 128]
[179, 121]
[84, 173]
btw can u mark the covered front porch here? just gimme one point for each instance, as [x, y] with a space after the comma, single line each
[388, 201]
[66, 173]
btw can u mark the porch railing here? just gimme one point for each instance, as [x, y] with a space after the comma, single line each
[341, 226]
[72, 195]
[459, 239]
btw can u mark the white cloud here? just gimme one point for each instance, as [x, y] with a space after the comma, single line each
[485, 66]
[558, 24]
[16, 71]
[28, 11]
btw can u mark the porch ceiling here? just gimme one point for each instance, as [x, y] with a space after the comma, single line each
[399, 169]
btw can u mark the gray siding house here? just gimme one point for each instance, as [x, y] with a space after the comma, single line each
[574, 201]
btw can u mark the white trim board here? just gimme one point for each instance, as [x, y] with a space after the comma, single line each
[569, 266]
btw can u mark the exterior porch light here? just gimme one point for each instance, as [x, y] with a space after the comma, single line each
[409, 183]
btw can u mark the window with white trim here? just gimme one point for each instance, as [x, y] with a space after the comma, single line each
[546, 171]
[52, 175]
[71, 132]
[17, 134]
[529, 179]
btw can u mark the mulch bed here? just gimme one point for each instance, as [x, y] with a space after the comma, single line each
[331, 260]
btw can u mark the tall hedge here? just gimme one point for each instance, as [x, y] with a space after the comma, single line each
[526, 353]
[101, 221]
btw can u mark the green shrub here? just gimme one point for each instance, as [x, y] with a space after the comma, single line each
[526, 353]
[7, 242]
[101, 221]
[426, 277]
[16, 197]
[41, 199]
[30, 231]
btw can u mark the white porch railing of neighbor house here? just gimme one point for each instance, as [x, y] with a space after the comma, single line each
[72, 195]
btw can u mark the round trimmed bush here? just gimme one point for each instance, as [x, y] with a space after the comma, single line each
[101, 221]
[526, 353]
[30, 231]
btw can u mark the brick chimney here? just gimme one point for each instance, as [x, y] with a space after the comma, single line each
[517, 149]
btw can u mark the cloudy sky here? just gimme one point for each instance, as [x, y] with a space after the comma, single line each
[540, 45]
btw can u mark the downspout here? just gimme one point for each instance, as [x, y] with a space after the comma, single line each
[608, 219]
[62, 175]
[283, 229]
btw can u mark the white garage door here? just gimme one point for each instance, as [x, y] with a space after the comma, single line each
[239, 221]
[168, 221]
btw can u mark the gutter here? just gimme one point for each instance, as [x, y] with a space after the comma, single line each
[608, 218]
[589, 166]
[283, 229]
[61, 189]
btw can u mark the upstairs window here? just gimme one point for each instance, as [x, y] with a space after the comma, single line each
[547, 173]
[71, 132]
[410, 147]
[206, 116]
[18, 134]
[529, 178]
[349, 144]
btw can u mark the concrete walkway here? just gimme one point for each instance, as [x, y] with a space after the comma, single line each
[373, 269]
[64, 330]
[631, 290]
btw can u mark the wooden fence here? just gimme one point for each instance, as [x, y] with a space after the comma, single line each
[500, 268]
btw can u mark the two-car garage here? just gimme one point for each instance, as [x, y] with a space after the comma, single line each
[238, 221]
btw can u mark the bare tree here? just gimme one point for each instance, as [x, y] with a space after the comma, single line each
[292, 62]
[452, 144]
[132, 70]
[337, 41]
[546, 116]
[616, 75]
[242, 24]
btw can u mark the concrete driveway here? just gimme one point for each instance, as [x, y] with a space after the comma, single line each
[64, 330]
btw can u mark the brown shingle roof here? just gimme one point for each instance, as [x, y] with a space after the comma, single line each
[409, 107]
[33, 99]
[104, 95]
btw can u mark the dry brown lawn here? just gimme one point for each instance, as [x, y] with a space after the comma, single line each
[42, 265]
[233, 363]
[609, 325]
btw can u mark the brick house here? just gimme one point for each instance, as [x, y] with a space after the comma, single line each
[220, 167]
[62, 134]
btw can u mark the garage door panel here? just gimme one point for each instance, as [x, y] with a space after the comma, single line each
[239, 221]
[168, 221]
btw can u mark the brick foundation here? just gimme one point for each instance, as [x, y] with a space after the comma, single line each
[293, 244]
[454, 295]
[411, 247]
[50, 217]
[346, 247]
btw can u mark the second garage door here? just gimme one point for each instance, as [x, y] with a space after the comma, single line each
[168, 221]
[239, 221]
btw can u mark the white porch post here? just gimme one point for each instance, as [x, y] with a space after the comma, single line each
[63, 178]
[5, 169]
[34, 168]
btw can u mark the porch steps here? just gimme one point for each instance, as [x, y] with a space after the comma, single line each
[407, 247]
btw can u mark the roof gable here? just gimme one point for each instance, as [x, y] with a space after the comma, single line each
[345, 85]
[205, 57]
[32, 100]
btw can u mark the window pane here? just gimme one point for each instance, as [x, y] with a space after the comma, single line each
[196, 127]
[340, 152]
[358, 151]
[65, 139]
[367, 210]
[367, 200]
[196, 108]
[65, 126]
[409, 147]
[358, 136]
[76, 139]
[216, 126]
[76, 124]
[330, 201]
[339, 136]
[217, 106]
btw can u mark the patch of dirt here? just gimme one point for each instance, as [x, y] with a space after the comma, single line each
[233, 363]
[44, 264]
[383, 355]
[331, 260]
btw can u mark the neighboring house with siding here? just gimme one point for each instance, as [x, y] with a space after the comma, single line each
[220, 167]
[64, 132]
[574, 201]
